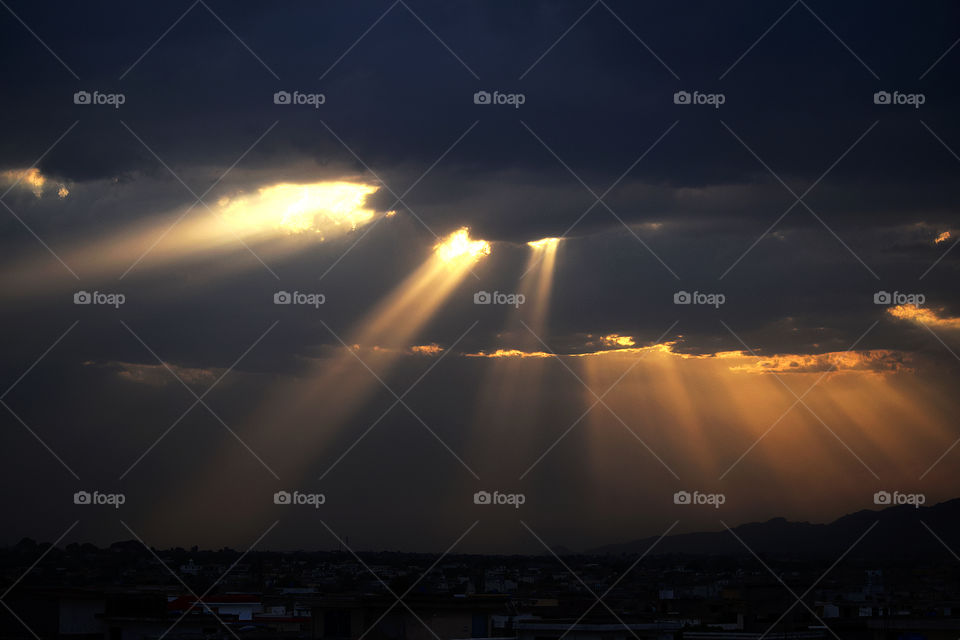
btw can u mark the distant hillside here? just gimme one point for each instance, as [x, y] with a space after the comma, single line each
[899, 531]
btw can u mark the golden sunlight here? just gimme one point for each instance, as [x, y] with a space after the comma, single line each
[458, 246]
[320, 207]
[31, 179]
[544, 243]
[923, 315]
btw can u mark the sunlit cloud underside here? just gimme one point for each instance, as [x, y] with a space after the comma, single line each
[322, 208]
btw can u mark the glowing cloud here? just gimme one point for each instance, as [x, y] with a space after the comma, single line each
[431, 349]
[923, 315]
[877, 360]
[30, 179]
[616, 340]
[321, 208]
[544, 243]
[459, 247]
[943, 237]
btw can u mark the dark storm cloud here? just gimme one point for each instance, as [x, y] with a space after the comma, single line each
[399, 100]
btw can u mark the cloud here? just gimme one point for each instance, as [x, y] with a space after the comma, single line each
[924, 316]
[159, 375]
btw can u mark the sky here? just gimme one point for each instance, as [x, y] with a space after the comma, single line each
[578, 256]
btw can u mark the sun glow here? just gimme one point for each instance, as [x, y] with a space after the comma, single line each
[544, 243]
[31, 179]
[458, 246]
[320, 207]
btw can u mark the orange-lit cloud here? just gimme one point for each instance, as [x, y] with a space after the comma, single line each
[157, 375]
[31, 179]
[923, 315]
[431, 349]
[943, 237]
[616, 340]
[878, 360]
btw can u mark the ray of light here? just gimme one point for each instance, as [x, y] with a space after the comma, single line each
[274, 221]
